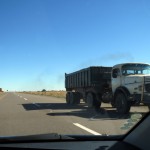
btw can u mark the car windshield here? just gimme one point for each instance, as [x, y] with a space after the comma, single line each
[129, 69]
[56, 61]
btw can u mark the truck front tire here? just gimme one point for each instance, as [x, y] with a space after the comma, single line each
[121, 103]
[113, 104]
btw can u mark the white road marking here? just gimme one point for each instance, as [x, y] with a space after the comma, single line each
[20, 96]
[25, 99]
[86, 129]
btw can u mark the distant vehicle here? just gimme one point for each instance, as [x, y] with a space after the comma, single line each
[122, 85]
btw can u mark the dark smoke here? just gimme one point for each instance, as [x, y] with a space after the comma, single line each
[107, 60]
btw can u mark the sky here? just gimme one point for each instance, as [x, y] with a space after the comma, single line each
[41, 40]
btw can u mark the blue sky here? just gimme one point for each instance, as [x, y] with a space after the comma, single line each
[40, 40]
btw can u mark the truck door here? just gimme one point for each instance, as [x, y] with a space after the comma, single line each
[116, 79]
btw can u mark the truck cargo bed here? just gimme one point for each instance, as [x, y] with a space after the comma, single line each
[91, 76]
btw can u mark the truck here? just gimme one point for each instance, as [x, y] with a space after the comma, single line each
[122, 85]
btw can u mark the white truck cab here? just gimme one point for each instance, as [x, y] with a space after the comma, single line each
[130, 85]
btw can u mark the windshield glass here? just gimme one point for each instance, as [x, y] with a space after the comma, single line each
[56, 61]
[130, 69]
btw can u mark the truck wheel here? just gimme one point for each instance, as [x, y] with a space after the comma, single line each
[68, 98]
[76, 98]
[113, 104]
[90, 100]
[122, 105]
[72, 98]
[98, 100]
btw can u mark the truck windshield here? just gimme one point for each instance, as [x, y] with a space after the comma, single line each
[129, 69]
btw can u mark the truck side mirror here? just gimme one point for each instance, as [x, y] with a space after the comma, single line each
[114, 75]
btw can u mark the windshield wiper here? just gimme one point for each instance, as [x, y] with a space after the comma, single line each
[56, 137]
[32, 138]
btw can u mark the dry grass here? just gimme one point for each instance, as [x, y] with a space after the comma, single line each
[1, 93]
[60, 94]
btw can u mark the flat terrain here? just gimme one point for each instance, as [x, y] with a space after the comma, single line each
[27, 114]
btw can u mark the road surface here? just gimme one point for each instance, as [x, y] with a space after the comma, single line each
[25, 114]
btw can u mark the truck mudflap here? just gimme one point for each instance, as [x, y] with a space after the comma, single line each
[137, 99]
[146, 98]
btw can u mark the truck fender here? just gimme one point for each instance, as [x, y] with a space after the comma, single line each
[122, 89]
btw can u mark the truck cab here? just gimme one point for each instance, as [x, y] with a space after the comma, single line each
[130, 85]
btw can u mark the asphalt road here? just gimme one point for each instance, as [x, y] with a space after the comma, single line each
[25, 114]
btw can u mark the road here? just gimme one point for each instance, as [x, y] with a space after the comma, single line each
[25, 114]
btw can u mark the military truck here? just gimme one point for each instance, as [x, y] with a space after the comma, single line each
[122, 85]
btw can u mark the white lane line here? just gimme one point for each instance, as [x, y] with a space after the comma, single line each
[25, 99]
[86, 129]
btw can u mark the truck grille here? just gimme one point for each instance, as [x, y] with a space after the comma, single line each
[147, 87]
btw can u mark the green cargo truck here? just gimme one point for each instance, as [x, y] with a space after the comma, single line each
[122, 85]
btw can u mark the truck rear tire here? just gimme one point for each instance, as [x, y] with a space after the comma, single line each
[92, 102]
[121, 103]
[68, 97]
[74, 98]
[71, 98]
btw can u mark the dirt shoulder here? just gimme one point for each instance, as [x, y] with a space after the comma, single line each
[61, 94]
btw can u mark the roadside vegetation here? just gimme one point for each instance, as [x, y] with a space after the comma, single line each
[59, 94]
[1, 93]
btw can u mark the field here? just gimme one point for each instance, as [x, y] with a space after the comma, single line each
[59, 94]
[1, 93]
